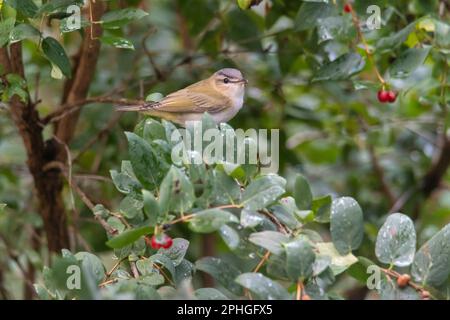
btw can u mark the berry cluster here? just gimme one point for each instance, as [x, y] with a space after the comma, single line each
[159, 241]
[348, 8]
[385, 96]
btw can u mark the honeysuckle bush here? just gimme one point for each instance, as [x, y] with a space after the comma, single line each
[271, 232]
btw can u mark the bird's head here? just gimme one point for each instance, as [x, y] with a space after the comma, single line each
[229, 81]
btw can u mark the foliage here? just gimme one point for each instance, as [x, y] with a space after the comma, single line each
[297, 256]
[348, 164]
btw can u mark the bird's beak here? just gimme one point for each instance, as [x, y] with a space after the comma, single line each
[245, 81]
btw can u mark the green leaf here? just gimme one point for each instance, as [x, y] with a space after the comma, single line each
[128, 237]
[347, 228]
[339, 263]
[442, 34]
[23, 31]
[153, 279]
[270, 240]
[92, 263]
[221, 271]
[244, 4]
[125, 183]
[230, 236]
[358, 270]
[154, 97]
[176, 192]
[302, 193]
[148, 167]
[165, 261]
[26, 7]
[431, 264]
[183, 272]
[340, 69]
[145, 267]
[225, 189]
[56, 54]
[322, 209]
[131, 207]
[250, 219]
[117, 42]
[286, 211]
[310, 13]
[209, 294]
[58, 4]
[211, 220]
[396, 241]
[242, 28]
[408, 61]
[117, 18]
[262, 286]
[263, 191]
[151, 207]
[5, 28]
[334, 28]
[177, 251]
[394, 40]
[299, 259]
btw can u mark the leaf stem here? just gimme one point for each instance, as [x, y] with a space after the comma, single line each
[369, 55]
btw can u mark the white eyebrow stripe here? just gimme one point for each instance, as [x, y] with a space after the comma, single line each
[228, 76]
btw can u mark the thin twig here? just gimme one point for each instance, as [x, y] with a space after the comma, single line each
[298, 294]
[262, 261]
[81, 194]
[356, 23]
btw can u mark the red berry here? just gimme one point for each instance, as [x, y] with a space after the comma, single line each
[403, 280]
[391, 96]
[383, 96]
[155, 243]
[166, 242]
[348, 8]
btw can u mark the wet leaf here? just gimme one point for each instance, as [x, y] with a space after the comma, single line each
[396, 241]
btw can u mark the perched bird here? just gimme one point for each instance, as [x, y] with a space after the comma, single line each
[221, 95]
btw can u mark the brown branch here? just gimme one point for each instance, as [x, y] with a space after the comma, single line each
[84, 73]
[263, 260]
[377, 168]
[84, 198]
[71, 108]
[298, 293]
[379, 172]
[134, 269]
[26, 119]
[434, 176]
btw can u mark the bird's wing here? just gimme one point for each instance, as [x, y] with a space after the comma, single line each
[194, 98]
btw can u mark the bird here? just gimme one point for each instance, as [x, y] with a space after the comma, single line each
[221, 95]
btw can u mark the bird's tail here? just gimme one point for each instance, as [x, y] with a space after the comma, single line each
[136, 107]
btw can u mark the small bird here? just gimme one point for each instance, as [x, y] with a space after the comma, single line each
[221, 95]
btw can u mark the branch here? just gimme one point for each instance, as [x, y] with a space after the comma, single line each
[84, 72]
[69, 108]
[26, 119]
[378, 169]
[379, 172]
[434, 176]
[441, 162]
[59, 165]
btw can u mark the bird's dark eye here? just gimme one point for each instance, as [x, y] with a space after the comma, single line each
[226, 80]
